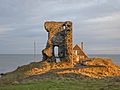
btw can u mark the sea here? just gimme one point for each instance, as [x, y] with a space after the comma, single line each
[10, 62]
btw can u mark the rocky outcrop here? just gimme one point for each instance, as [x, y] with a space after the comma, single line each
[96, 68]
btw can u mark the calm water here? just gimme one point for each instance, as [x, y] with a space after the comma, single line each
[9, 62]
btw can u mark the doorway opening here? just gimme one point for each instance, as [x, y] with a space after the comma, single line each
[56, 54]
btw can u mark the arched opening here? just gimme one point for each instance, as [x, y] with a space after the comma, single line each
[56, 51]
[56, 54]
[64, 27]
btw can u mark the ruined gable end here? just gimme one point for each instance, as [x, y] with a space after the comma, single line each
[59, 35]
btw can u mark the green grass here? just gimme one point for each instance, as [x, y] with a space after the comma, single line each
[64, 85]
[19, 73]
[54, 81]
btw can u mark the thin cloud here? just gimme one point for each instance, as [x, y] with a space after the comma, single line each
[5, 29]
[103, 19]
[96, 22]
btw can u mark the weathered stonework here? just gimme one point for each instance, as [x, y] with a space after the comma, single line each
[60, 35]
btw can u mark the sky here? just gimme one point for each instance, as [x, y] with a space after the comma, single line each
[95, 22]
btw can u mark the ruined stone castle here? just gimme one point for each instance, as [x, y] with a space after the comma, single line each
[59, 35]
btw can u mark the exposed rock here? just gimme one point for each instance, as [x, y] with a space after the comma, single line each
[97, 68]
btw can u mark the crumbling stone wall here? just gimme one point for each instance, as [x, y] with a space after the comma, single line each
[60, 35]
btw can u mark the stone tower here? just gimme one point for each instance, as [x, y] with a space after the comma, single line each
[59, 35]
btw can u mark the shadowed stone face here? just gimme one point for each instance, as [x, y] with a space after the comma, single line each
[60, 35]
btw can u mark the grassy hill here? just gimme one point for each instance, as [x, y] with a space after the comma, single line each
[98, 74]
[65, 85]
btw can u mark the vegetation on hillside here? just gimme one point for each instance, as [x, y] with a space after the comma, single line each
[65, 85]
[98, 74]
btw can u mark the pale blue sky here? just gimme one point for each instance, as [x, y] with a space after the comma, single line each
[95, 22]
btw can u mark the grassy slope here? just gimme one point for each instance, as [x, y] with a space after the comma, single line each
[81, 83]
[18, 74]
[65, 85]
